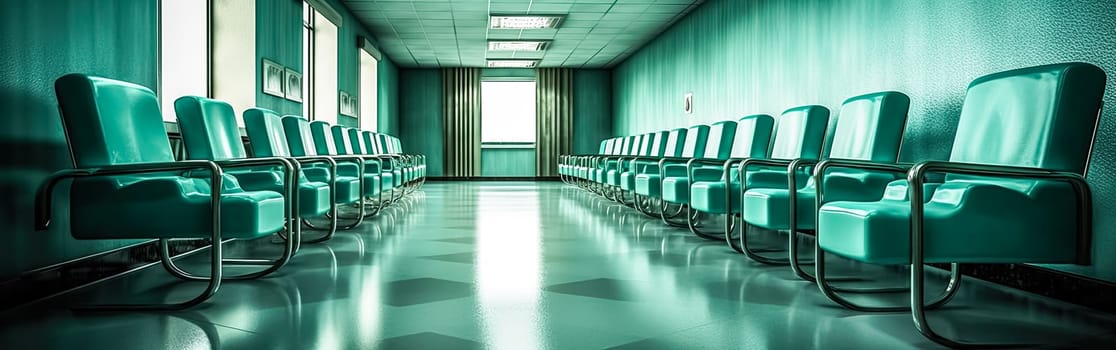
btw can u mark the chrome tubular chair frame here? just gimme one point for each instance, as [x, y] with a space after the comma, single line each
[730, 222]
[43, 220]
[332, 216]
[290, 178]
[664, 206]
[819, 254]
[333, 178]
[916, 177]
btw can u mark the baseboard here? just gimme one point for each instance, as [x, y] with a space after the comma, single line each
[51, 280]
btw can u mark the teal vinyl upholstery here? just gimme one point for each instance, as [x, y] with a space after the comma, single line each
[676, 187]
[1036, 118]
[656, 149]
[869, 128]
[693, 143]
[300, 143]
[751, 141]
[343, 145]
[114, 123]
[210, 132]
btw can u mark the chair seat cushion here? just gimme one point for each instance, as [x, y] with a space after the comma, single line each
[313, 196]
[767, 205]
[169, 207]
[348, 187]
[965, 221]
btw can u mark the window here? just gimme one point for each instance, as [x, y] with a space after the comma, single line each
[508, 111]
[321, 57]
[368, 91]
[183, 52]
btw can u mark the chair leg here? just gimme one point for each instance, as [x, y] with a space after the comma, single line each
[664, 207]
[832, 293]
[691, 223]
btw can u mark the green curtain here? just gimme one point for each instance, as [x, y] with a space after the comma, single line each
[553, 118]
[461, 93]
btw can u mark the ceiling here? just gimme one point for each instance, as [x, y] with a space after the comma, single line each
[455, 33]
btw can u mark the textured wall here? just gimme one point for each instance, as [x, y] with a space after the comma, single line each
[41, 41]
[743, 57]
[421, 127]
[508, 162]
[592, 115]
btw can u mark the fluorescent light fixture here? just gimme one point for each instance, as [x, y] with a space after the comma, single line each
[512, 63]
[516, 45]
[524, 22]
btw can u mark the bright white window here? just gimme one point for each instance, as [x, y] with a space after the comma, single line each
[183, 52]
[325, 70]
[508, 111]
[368, 91]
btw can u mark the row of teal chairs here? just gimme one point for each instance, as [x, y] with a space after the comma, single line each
[126, 184]
[1012, 191]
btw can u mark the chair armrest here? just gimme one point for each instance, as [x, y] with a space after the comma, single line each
[821, 170]
[917, 174]
[42, 196]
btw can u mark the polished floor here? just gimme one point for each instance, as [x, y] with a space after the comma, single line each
[523, 265]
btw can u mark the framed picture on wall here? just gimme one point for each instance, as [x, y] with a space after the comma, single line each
[294, 85]
[272, 78]
[347, 104]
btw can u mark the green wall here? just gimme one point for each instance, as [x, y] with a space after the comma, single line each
[42, 41]
[743, 57]
[279, 38]
[501, 161]
[421, 127]
[592, 115]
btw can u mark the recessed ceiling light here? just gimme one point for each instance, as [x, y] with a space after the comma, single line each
[512, 63]
[524, 22]
[517, 45]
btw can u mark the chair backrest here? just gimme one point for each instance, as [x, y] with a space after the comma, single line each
[675, 141]
[370, 144]
[209, 129]
[657, 146]
[719, 142]
[801, 133]
[635, 146]
[110, 122]
[340, 135]
[617, 145]
[870, 127]
[753, 133]
[604, 146]
[356, 144]
[1042, 117]
[397, 145]
[645, 144]
[300, 140]
[265, 133]
[323, 137]
[695, 141]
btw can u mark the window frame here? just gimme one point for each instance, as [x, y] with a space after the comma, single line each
[159, 79]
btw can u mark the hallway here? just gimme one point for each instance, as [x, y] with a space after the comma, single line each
[525, 265]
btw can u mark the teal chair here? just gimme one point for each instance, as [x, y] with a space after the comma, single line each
[799, 134]
[707, 177]
[623, 179]
[676, 179]
[373, 164]
[605, 163]
[416, 163]
[209, 132]
[387, 161]
[567, 162]
[393, 170]
[649, 186]
[342, 145]
[671, 147]
[124, 168]
[318, 181]
[348, 170]
[610, 179]
[1013, 190]
[869, 128]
